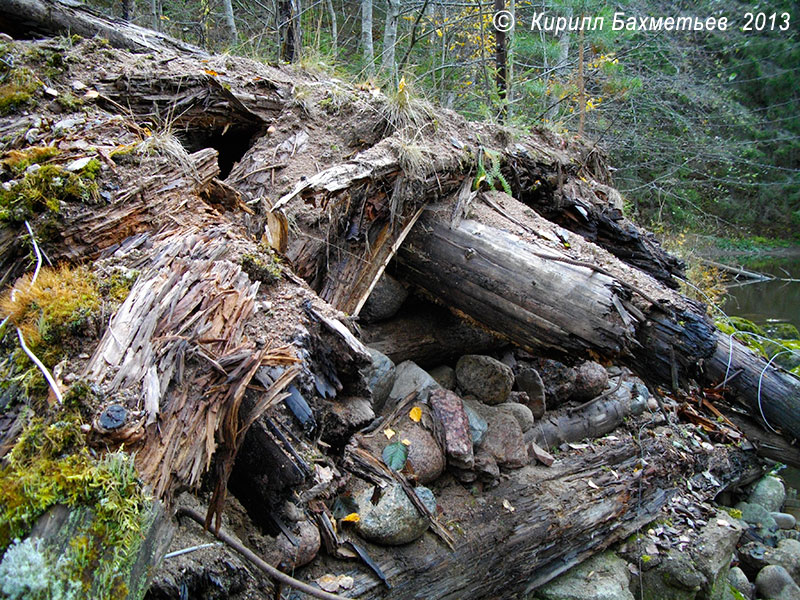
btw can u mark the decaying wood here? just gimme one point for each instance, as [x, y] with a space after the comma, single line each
[47, 17]
[259, 562]
[771, 395]
[591, 209]
[562, 514]
[154, 200]
[503, 282]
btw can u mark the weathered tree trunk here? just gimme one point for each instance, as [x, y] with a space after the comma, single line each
[367, 47]
[26, 17]
[562, 515]
[500, 60]
[230, 22]
[334, 28]
[390, 37]
[128, 7]
[541, 298]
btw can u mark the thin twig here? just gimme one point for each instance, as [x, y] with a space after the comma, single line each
[192, 549]
[258, 562]
[38, 254]
[42, 368]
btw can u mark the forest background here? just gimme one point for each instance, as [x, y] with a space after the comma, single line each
[702, 127]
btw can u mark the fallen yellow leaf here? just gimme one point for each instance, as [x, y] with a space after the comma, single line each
[389, 433]
[406, 442]
[352, 518]
[415, 414]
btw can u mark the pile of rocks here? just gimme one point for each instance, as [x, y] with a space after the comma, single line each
[476, 419]
[751, 551]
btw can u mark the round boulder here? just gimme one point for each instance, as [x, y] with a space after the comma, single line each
[485, 377]
[774, 582]
[769, 493]
[530, 383]
[591, 379]
[394, 520]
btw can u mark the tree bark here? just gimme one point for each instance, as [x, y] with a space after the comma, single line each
[334, 28]
[45, 17]
[541, 300]
[128, 8]
[559, 520]
[390, 37]
[367, 48]
[500, 61]
[230, 23]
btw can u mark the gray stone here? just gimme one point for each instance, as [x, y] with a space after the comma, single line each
[485, 377]
[394, 520]
[769, 493]
[503, 440]
[775, 583]
[385, 300]
[784, 520]
[716, 544]
[757, 515]
[424, 454]
[529, 381]
[787, 555]
[738, 580]
[445, 376]
[486, 467]
[345, 416]
[602, 577]
[675, 577]
[477, 425]
[520, 412]
[380, 377]
[307, 537]
[409, 378]
[591, 379]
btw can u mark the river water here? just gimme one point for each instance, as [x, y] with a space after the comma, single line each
[769, 301]
[763, 302]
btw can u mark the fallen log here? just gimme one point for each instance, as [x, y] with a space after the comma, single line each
[591, 209]
[555, 518]
[531, 289]
[48, 17]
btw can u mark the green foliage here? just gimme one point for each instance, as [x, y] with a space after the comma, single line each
[493, 176]
[395, 455]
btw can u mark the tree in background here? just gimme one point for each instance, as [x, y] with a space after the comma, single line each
[704, 128]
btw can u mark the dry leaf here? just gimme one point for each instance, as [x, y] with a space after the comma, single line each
[415, 414]
[406, 442]
[211, 72]
[507, 505]
[352, 518]
[593, 485]
[389, 433]
[329, 583]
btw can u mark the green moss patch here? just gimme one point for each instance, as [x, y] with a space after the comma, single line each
[17, 90]
[51, 465]
[44, 189]
[263, 265]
